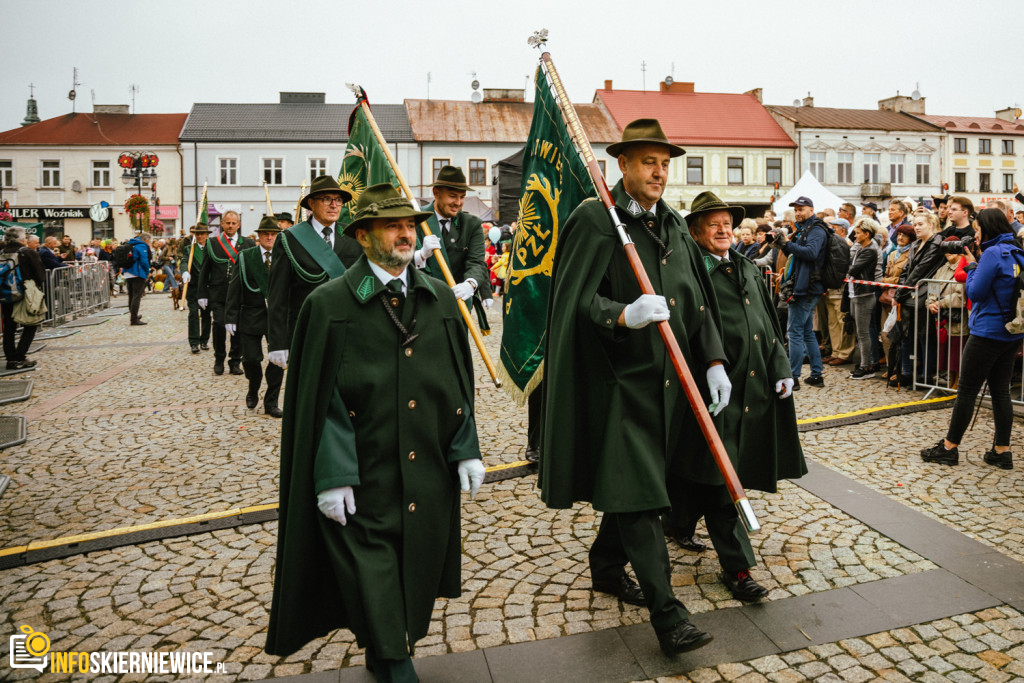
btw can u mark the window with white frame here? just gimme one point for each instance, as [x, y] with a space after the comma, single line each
[773, 171]
[871, 168]
[896, 168]
[6, 173]
[49, 173]
[694, 170]
[818, 165]
[924, 169]
[101, 174]
[317, 167]
[273, 171]
[845, 167]
[478, 171]
[436, 166]
[228, 170]
[735, 168]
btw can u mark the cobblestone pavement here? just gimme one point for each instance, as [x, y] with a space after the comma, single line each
[126, 435]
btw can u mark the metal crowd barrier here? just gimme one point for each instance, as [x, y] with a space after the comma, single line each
[75, 290]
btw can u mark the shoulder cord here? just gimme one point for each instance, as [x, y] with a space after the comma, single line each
[409, 337]
[302, 272]
[245, 280]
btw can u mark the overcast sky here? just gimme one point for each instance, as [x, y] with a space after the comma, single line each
[848, 54]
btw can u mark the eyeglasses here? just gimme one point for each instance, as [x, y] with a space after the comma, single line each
[330, 200]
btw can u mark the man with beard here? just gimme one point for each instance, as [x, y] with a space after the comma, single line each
[212, 290]
[378, 435]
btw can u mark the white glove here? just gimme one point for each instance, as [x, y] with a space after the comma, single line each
[463, 290]
[784, 387]
[279, 358]
[471, 475]
[721, 388]
[488, 302]
[334, 503]
[185, 277]
[230, 328]
[430, 243]
[647, 309]
[203, 303]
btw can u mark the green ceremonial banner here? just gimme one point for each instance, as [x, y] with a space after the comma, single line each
[204, 215]
[364, 165]
[554, 183]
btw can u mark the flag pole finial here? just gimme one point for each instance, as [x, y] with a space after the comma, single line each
[538, 39]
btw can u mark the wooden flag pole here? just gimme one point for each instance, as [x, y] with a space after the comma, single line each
[477, 338]
[298, 204]
[707, 426]
[192, 248]
[266, 191]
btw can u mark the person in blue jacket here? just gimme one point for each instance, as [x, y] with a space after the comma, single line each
[135, 276]
[991, 350]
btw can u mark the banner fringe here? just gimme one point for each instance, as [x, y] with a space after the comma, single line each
[518, 395]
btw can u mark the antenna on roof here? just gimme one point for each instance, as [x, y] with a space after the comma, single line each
[643, 71]
[132, 89]
[428, 86]
[916, 95]
[796, 103]
[74, 84]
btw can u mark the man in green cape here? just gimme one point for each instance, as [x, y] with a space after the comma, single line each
[460, 237]
[758, 428]
[199, 319]
[246, 315]
[614, 406]
[378, 434]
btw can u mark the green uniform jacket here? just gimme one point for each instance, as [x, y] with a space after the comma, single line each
[246, 305]
[758, 430]
[213, 277]
[463, 249]
[197, 265]
[614, 407]
[392, 421]
[293, 276]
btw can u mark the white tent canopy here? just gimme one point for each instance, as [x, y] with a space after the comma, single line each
[808, 186]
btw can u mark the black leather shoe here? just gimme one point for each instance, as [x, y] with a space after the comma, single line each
[624, 588]
[204, 346]
[235, 368]
[272, 411]
[690, 543]
[251, 400]
[532, 455]
[218, 368]
[195, 348]
[815, 381]
[743, 587]
[139, 322]
[683, 637]
[938, 454]
[1001, 460]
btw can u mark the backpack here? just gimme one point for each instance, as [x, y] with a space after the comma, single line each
[837, 261]
[1016, 325]
[123, 256]
[12, 284]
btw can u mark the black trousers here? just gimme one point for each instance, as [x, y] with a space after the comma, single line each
[252, 364]
[136, 287]
[637, 538]
[535, 413]
[984, 359]
[15, 352]
[198, 324]
[691, 501]
[220, 348]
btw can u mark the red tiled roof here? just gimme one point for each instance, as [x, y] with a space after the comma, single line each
[99, 129]
[463, 121]
[975, 124]
[699, 118]
[852, 119]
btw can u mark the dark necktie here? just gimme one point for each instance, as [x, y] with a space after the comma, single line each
[266, 259]
[396, 287]
[444, 227]
[327, 236]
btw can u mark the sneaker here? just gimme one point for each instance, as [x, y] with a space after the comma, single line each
[815, 381]
[940, 455]
[1000, 460]
[862, 373]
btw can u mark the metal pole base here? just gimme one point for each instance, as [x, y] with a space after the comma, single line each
[747, 515]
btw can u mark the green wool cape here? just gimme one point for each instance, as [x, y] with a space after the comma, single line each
[391, 420]
[613, 405]
[759, 431]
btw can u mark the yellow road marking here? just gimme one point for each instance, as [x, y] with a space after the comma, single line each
[868, 411]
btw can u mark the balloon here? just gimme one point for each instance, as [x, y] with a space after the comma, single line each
[494, 234]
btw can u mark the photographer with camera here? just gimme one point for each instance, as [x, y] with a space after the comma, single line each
[802, 288]
[991, 350]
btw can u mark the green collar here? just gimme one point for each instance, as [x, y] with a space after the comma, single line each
[365, 285]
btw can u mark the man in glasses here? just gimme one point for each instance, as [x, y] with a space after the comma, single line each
[306, 256]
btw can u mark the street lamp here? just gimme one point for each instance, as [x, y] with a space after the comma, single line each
[137, 165]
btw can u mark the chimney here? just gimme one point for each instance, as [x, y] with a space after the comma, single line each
[608, 84]
[504, 95]
[301, 97]
[1010, 114]
[110, 109]
[756, 92]
[900, 103]
[675, 87]
[808, 101]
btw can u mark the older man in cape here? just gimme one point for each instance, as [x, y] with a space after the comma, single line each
[378, 433]
[614, 407]
[758, 428]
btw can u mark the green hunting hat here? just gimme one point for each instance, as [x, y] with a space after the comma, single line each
[708, 201]
[285, 216]
[322, 184]
[200, 227]
[268, 224]
[382, 201]
[451, 177]
[644, 131]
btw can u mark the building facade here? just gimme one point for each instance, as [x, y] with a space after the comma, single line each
[55, 171]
